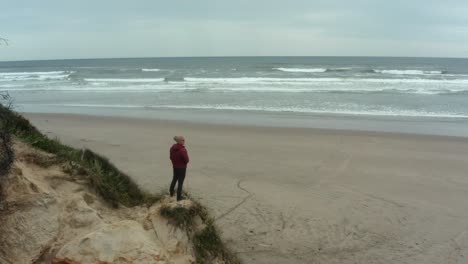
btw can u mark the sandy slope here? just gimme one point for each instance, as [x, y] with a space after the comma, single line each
[301, 195]
[50, 215]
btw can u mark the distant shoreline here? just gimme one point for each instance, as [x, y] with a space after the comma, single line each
[329, 123]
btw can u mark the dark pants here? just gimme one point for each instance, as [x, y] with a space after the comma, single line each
[179, 176]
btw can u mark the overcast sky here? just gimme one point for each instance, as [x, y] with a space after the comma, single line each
[50, 29]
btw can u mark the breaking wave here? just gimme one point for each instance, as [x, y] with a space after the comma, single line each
[361, 70]
[129, 80]
[28, 76]
[410, 72]
[311, 70]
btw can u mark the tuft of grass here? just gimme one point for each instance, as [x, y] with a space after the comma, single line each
[113, 185]
[209, 246]
[180, 216]
[207, 242]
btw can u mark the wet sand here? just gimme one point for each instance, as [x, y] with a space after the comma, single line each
[298, 195]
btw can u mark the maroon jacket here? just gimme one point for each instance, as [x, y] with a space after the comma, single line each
[179, 156]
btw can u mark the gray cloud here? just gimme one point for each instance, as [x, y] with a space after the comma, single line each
[83, 29]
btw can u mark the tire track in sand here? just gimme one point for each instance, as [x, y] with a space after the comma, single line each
[249, 194]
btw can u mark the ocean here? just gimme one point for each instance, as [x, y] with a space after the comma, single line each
[297, 91]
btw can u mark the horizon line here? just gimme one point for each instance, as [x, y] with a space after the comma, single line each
[241, 56]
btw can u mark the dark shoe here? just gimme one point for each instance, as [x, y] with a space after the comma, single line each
[180, 198]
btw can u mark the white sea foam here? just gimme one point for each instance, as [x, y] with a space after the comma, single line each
[31, 76]
[172, 89]
[111, 80]
[423, 90]
[189, 81]
[310, 70]
[248, 80]
[32, 73]
[262, 79]
[105, 88]
[150, 70]
[384, 112]
[343, 81]
[339, 69]
[409, 72]
[260, 85]
[389, 112]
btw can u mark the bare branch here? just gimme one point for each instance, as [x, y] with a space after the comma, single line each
[3, 41]
[6, 100]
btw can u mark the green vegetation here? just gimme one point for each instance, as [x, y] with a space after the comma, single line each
[208, 245]
[113, 185]
[6, 150]
[207, 242]
[180, 216]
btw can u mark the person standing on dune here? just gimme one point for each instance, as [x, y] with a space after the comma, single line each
[180, 159]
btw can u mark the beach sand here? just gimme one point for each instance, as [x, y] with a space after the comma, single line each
[291, 195]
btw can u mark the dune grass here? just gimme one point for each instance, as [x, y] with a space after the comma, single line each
[209, 245]
[7, 154]
[207, 241]
[113, 185]
[180, 216]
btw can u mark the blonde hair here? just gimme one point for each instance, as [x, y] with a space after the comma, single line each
[178, 138]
